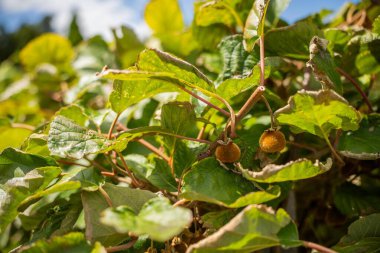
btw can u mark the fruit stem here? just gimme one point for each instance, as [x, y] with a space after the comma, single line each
[272, 122]
[332, 149]
[317, 247]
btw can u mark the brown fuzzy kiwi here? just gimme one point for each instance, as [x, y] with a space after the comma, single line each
[272, 141]
[228, 153]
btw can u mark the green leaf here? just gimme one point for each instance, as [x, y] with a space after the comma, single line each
[164, 16]
[215, 12]
[363, 236]
[364, 143]
[254, 228]
[254, 26]
[376, 26]
[16, 163]
[237, 63]
[15, 190]
[294, 170]
[178, 118]
[70, 243]
[185, 154]
[352, 200]
[291, 41]
[74, 113]
[67, 139]
[209, 36]
[157, 173]
[94, 204]
[206, 179]
[127, 93]
[157, 218]
[323, 65]
[216, 220]
[274, 10]
[48, 48]
[367, 60]
[12, 137]
[318, 112]
[157, 65]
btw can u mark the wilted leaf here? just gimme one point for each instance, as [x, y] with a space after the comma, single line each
[254, 26]
[67, 139]
[318, 112]
[206, 179]
[364, 143]
[157, 218]
[323, 65]
[363, 236]
[294, 170]
[254, 228]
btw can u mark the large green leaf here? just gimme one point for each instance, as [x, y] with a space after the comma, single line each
[318, 112]
[179, 118]
[12, 137]
[367, 60]
[16, 163]
[254, 26]
[363, 236]
[292, 41]
[158, 172]
[164, 16]
[215, 12]
[15, 190]
[157, 218]
[157, 65]
[275, 8]
[237, 63]
[129, 92]
[352, 200]
[323, 65]
[48, 48]
[94, 204]
[294, 170]
[364, 143]
[208, 181]
[67, 139]
[70, 243]
[254, 228]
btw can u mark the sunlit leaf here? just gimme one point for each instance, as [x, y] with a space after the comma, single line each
[294, 170]
[205, 179]
[157, 218]
[254, 228]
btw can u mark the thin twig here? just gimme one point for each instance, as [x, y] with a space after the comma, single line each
[24, 126]
[113, 126]
[106, 196]
[204, 100]
[333, 149]
[262, 60]
[180, 202]
[272, 122]
[357, 87]
[130, 174]
[122, 247]
[317, 247]
[154, 149]
[256, 95]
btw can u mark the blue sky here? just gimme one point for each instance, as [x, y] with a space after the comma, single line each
[98, 16]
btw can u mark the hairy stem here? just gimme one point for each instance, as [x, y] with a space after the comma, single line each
[337, 156]
[317, 247]
[262, 60]
[113, 126]
[122, 247]
[272, 122]
[255, 96]
[106, 196]
[357, 87]
[204, 101]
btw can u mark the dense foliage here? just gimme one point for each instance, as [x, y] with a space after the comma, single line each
[122, 158]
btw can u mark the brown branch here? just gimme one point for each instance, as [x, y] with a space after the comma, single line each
[154, 149]
[357, 87]
[130, 174]
[318, 247]
[256, 95]
[24, 126]
[106, 196]
[113, 126]
[122, 247]
[262, 61]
